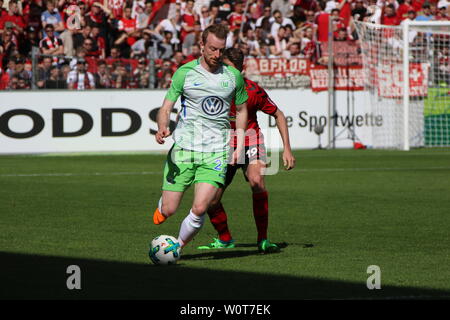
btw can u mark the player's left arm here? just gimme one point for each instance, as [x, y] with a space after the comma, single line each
[241, 126]
[288, 157]
[269, 107]
[241, 98]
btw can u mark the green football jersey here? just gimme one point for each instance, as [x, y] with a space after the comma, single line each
[203, 122]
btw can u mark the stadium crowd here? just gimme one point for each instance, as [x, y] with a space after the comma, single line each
[86, 44]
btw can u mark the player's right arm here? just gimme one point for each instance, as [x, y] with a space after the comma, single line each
[163, 121]
[175, 90]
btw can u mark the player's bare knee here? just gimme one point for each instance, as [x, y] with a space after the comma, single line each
[214, 204]
[167, 210]
[199, 209]
[257, 183]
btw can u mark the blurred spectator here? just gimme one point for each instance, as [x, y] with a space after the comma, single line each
[52, 17]
[141, 74]
[214, 15]
[99, 42]
[252, 42]
[341, 35]
[172, 24]
[237, 17]
[97, 17]
[267, 14]
[80, 78]
[359, 9]
[116, 7]
[79, 37]
[65, 70]
[191, 39]
[91, 48]
[114, 53]
[128, 28]
[120, 77]
[166, 80]
[279, 21]
[51, 44]
[21, 72]
[308, 5]
[165, 47]
[13, 19]
[322, 24]
[283, 6]
[223, 8]
[141, 15]
[443, 14]
[8, 44]
[337, 21]
[2, 10]
[426, 13]
[205, 18]
[4, 79]
[293, 51]
[178, 59]
[188, 19]
[167, 66]
[345, 11]
[390, 17]
[403, 9]
[298, 16]
[411, 17]
[55, 81]
[102, 76]
[43, 71]
[195, 53]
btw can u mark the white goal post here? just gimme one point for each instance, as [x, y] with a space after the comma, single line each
[415, 113]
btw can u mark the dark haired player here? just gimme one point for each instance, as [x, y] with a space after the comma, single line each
[255, 162]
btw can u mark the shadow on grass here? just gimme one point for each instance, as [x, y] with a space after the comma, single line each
[44, 277]
[230, 253]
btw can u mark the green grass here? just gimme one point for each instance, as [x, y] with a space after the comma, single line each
[335, 214]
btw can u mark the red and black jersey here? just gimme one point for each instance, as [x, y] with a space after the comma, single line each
[258, 100]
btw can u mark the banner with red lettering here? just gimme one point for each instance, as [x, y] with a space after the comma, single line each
[345, 78]
[278, 72]
[390, 80]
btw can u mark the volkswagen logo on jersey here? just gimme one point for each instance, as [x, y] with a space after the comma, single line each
[212, 105]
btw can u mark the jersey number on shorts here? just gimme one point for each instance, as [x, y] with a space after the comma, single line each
[218, 166]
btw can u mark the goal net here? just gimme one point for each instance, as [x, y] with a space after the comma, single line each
[415, 112]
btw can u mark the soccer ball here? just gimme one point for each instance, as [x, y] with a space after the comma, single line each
[164, 249]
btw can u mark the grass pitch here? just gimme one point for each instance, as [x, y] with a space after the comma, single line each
[335, 214]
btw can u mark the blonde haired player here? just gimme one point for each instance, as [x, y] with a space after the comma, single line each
[199, 156]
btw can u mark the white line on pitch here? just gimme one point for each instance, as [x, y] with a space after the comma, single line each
[366, 169]
[79, 174]
[157, 172]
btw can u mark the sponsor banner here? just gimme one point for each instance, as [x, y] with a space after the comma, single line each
[96, 121]
[390, 80]
[345, 78]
